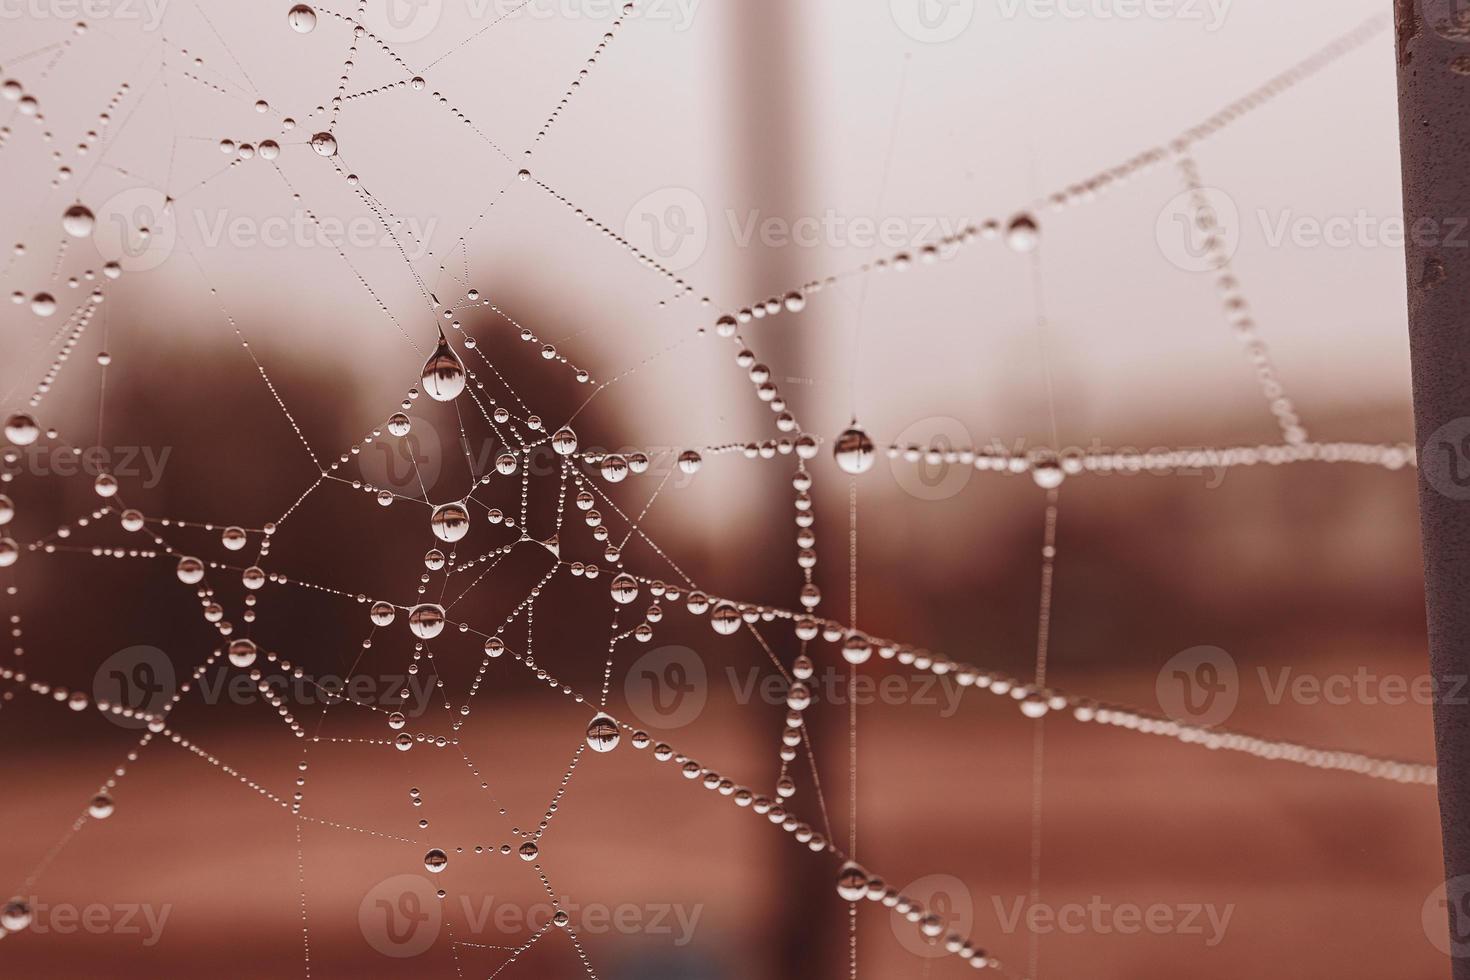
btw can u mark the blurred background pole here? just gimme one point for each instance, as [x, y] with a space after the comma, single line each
[770, 114]
[1434, 124]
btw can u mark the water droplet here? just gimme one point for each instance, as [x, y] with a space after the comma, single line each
[242, 652]
[301, 18]
[426, 620]
[852, 882]
[101, 806]
[564, 441]
[78, 221]
[450, 522]
[725, 618]
[857, 650]
[624, 588]
[325, 144]
[529, 851]
[854, 451]
[382, 614]
[21, 429]
[190, 570]
[1022, 234]
[603, 734]
[690, 461]
[614, 468]
[436, 861]
[1047, 472]
[43, 304]
[399, 424]
[16, 915]
[443, 373]
[233, 538]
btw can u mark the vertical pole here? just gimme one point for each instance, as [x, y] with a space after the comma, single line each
[1433, 42]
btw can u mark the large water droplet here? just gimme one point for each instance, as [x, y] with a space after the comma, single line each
[450, 522]
[603, 734]
[443, 373]
[21, 429]
[78, 221]
[301, 18]
[854, 451]
[426, 620]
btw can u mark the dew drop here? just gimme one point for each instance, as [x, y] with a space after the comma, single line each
[443, 373]
[450, 522]
[242, 652]
[301, 18]
[725, 618]
[21, 429]
[426, 620]
[854, 451]
[603, 734]
[382, 614]
[78, 221]
[1022, 234]
[564, 441]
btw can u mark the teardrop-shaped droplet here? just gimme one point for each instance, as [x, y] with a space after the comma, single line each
[443, 373]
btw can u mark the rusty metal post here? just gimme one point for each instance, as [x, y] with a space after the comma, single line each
[1433, 42]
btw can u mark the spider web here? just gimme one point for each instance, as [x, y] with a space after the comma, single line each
[558, 524]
